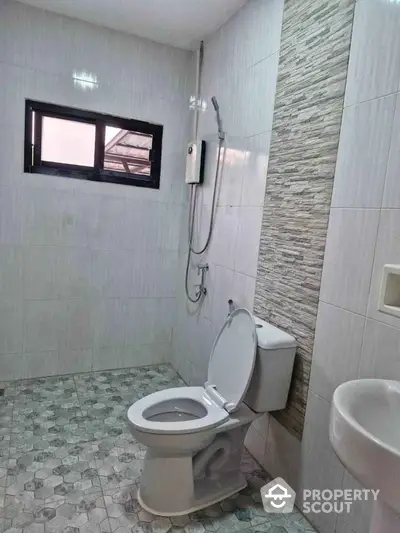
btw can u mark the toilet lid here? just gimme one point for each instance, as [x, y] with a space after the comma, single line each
[233, 356]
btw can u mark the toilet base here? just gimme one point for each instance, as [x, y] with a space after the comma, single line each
[175, 485]
[199, 504]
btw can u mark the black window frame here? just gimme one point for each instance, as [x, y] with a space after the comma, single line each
[33, 163]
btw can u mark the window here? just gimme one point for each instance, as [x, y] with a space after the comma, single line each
[92, 146]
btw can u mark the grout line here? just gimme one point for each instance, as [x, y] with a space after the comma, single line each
[354, 208]
[77, 394]
[369, 100]
[342, 308]
[9, 448]
[366, 317]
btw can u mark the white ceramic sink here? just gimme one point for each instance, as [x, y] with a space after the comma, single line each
[365, 434]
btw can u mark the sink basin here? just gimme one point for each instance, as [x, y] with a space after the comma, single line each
[365, 434]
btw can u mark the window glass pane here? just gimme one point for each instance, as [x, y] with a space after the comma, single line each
[67, 141]
[127, 151]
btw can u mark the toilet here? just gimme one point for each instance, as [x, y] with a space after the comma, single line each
[195, 435]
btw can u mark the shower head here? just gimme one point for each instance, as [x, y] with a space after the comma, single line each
[221, 133]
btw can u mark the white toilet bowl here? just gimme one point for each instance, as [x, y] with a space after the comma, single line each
[178, 420]
[194, 435]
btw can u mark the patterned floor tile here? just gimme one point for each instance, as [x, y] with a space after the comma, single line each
[53, 472]
[287, 523]
[101, 384]
[73, 513]
[158, 377]
[55, 388]
[119, 463]
[138, 381]
[105, 417]
[38, 425]
[123, 511]
[6, 420]
[6, 413]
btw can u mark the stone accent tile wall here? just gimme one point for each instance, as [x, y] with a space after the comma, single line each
[315, 46]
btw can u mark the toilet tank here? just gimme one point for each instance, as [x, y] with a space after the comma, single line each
[269, 386]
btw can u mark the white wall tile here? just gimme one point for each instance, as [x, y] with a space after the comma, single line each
[363, 153]
[77, 216]
[183, 334]
[74, 361]
[10, 216]
[10, 367]
[86, 43]
[168, 236]
[380, 355]
[111, 322]
[248, 240]
[81, 243]
[10, 326]
[129, 356]
[223, 291]
[240, 69]
[337, 349]
[358, 519]
[77, 323]
[201, 231]
[200, 350]
[39, 364]
[257, 103]
[243, 290]
[320, 468]
[154, 274]
[263, 21]
[73, 271]
[387, 252]
[255, 171]
[256, 444]
[43, 322]
[150, 320]
[140, 215]
[374, 67]
[282, 454]
[10, 272]
[223, 242]
[179, 191]
[12, 93]
[11, 154]
[348, 259]
[231, 173]
[251, 35]
[107, 222]
[112, 273]
[41, 217]
[391, 197]
[261, 424]
[348, 345]
[39, 272]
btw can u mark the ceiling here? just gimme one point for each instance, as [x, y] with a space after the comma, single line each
[181, 23]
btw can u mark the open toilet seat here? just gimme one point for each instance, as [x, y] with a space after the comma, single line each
[185, 410]
[176, 411]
